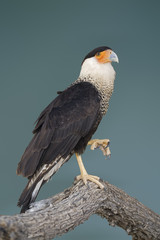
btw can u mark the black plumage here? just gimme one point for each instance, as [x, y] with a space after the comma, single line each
[64, 127]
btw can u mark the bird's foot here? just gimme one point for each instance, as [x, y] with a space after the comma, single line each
[102, 144]
[86, 177]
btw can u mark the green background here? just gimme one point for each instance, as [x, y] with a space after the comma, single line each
[42, 44]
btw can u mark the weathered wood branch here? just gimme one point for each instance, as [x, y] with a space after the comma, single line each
[63, 212]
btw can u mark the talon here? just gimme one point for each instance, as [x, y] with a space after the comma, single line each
[107, 145]
[97, 143]
[102, 144]
[91, 178]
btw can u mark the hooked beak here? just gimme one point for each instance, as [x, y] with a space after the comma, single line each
[113, 57]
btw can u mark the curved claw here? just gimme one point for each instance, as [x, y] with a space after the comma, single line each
[87, 177]
[102, 144]
[107, 145]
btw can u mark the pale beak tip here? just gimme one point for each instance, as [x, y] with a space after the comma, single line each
[113, 57]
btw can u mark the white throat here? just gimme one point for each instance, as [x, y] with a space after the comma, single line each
[102, 72]
[102, 76]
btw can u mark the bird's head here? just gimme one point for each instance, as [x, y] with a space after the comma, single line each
[102, 55]
[98, 62]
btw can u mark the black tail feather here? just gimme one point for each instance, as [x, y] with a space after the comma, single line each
[27, 197]
[36, 181]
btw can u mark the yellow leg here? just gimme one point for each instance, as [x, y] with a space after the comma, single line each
[103, 144]
[84, 175]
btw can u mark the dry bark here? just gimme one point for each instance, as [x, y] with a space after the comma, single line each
[63, 212]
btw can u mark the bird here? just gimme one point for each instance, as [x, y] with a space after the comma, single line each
[65, 127]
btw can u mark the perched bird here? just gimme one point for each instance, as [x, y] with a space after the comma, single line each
[67, 124]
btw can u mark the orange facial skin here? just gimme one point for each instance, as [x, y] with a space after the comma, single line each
[103, 57]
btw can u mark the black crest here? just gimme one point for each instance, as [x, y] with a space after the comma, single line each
[94, 51]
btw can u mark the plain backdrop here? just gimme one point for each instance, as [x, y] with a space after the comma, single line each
[42, 45]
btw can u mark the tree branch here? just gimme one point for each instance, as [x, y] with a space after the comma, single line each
[63, 212]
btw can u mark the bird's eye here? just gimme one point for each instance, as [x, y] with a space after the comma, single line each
[98, 54]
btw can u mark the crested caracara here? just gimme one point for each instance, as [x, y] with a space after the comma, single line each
[67, 124]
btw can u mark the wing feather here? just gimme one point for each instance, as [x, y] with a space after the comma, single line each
[67, 119]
